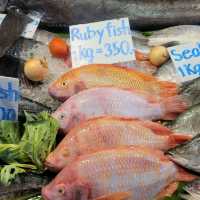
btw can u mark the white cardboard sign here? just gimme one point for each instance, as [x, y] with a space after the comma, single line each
[9, 98]
[186, 59]
[105, 42]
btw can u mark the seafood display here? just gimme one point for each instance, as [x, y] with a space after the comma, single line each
[128, 130]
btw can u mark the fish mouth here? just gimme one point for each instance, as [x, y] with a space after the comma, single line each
[57, 94]
[44, 195]
[51, 166]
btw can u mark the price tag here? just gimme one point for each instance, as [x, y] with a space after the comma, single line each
[30, 27]
[105, 42]
[186, 59]
[9, 98]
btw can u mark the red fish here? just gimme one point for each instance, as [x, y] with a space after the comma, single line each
[137, 173]
[107, 132]
[101, 75]
[112, 101]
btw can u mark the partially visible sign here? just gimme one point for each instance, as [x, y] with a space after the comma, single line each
[2, 16]
[101, 42]
[30, 27]
[186, 59]
[9, 98]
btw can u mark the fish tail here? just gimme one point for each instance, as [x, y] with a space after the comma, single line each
[168, 89]
[185, 176]
[174, 140]
[174, 106]
[156, 127]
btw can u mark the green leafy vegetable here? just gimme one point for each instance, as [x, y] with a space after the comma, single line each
[31, 150]
[10, 153]
[63, 35]
[39, 137]
[9, 172]
[147, 34]
[9, 132]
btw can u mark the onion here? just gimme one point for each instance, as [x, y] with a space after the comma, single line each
[158, 55]
[36, 69]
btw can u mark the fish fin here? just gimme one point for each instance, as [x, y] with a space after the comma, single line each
[156, 127]
[184, 176]
[168, 89]
[115, 196]
[170, 116]
[175, 139]
[173, 106]
[140, 56]
[168, 191]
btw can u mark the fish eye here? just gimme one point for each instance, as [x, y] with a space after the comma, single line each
[62, 116]
[61, 191]
[64, 83]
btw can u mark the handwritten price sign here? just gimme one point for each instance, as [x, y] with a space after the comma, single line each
[186, 59]
[101, 42]
[9, 98]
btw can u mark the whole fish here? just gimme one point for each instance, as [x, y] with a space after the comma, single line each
[193, 190]
[108, 132]
[97, 75]
[132, 172]
[187, 155]
[23, 186]
[142, 14]
[188, 122]
[180, 34]
[112, 101]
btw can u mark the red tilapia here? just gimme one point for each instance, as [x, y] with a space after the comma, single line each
[136, 173]
[101, 75]
[112, 101]
[107, 132]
